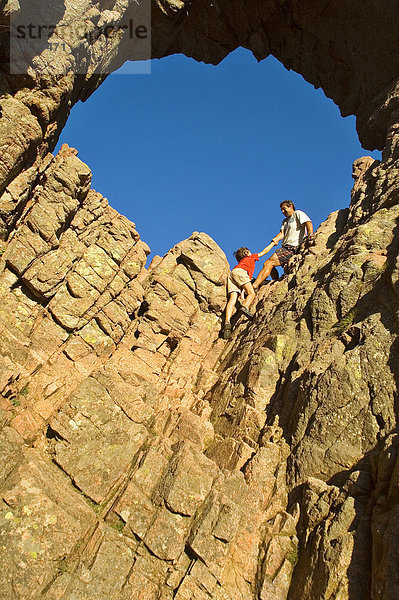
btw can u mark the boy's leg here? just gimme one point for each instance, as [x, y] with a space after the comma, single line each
[250, 294]
[230, 306]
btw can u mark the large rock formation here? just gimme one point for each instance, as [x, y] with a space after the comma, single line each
[108, 440]
[346, 47]
[142, 456]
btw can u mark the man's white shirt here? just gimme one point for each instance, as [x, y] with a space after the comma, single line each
[294, 228]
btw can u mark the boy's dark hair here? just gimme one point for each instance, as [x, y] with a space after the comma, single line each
[287, 203]
[241, 253]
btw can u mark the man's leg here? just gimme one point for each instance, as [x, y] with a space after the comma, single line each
[271, 262]
[230, 306]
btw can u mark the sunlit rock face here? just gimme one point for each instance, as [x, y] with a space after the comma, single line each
[108, 443]
[142, 456]
[349, 49]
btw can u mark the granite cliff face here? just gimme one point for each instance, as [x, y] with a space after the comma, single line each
[142, 457]
[109, 443]
[346, 47]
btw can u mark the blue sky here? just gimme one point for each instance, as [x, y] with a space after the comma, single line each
[195, 147]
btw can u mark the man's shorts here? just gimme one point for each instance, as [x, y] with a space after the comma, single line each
[285, 253]
[236, 280]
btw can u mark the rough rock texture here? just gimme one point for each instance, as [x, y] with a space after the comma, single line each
[144, 458]
[346, 47]
[105, 367]
[133, 436]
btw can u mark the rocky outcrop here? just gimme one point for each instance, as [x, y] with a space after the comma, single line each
[107, 437]
[348, 49]
[142, 456]
[133, 435]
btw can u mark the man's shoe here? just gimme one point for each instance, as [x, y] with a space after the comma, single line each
[274, 274]
[226, 331]
[245, 311]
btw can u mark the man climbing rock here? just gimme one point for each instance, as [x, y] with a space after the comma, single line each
[293, 229]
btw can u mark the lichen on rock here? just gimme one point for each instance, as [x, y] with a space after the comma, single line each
[142, 456]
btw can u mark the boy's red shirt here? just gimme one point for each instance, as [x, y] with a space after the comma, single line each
[248, 264]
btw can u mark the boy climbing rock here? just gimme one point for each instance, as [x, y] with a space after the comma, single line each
[239, 284]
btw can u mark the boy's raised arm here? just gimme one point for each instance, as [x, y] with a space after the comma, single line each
[267, 249]
[278, 237]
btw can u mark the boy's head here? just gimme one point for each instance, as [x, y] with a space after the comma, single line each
[287, 208]
[241, 253]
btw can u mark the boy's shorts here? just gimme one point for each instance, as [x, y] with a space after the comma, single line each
[236, 280]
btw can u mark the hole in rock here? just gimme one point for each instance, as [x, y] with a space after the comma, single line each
[197, 147]
[51, 434]
[172, 342]
[144, 306]
[351, 338]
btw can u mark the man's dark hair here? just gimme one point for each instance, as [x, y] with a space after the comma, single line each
[241, 253]
[287, 203]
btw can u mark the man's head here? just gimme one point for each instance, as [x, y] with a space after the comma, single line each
[287, 208]
[241, 253]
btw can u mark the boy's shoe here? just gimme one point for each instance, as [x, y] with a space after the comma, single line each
[226, 331]
[245, 311]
